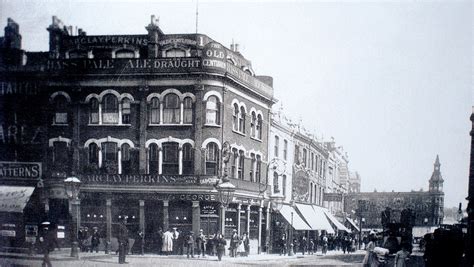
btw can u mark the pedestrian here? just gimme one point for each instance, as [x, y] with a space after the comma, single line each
[138, 245]
[283, 241]
[159, 240]
[220, 243]
[167, 246]
[123, 241]
[175, 244]
[324, 241]
[246, 242]
[311, 247]
[190, 244]
[48, 242]
[370, 258]
[234, 243]
[401, 256]
[201, 244]
[95, 241]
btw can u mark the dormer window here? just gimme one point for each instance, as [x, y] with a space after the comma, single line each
[125, 53]
[175, 52]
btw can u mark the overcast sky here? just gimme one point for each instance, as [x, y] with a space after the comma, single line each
[391, 82]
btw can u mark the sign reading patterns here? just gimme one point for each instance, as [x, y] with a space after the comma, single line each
[23, 170]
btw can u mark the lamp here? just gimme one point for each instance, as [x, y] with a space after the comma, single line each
[277, 201]
[225, 190]
[72, 185]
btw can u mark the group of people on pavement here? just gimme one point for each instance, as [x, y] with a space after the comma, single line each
[88, 241]
[345, 242]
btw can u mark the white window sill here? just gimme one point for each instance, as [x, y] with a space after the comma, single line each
[256, 139]
[60, 124]
[213, 125]
[106, 125]
[174, 124]
[239, 133]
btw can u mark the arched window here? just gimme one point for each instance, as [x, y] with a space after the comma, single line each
[277, 144]
[276, 188]
[93, 154]
[60, 106]
[126, 110]
[109, 157]
[153, 158]
[253, 125]
[155, 110]
[235, 119]
[125, 157]
[170, 164]
[188, 110]
[212, 159]
[285, 149]
[188, 158]
[124, 53]
[175, 52]
[242, 120]
[110, 109]
[171, 109]
[240, 173]
[252, 166]
[259, 127]
[305, 157]
[213, 111]
[94, 111]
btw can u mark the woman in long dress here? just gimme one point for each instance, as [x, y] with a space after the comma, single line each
[167, 247]
[370, 256]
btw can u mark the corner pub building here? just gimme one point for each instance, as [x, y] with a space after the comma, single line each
[141, 120]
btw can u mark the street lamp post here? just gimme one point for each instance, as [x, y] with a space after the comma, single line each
[277, 203]
[290, 252]
[72, 185]
[225, 193]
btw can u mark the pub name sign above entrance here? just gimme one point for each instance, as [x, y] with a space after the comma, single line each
[123, 179]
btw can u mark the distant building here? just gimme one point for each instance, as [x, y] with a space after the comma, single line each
[354, 182]
[426, 206]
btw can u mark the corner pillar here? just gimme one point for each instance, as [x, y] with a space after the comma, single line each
[196, 217]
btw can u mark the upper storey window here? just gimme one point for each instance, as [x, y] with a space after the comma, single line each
[213, 111]
[78, 53]
[125, 53]
[154, 110]
[188, 110]
[171, 109]
[175, 52]
[59, 101]
[109, 108]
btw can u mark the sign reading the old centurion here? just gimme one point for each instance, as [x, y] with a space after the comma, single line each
[24, 170]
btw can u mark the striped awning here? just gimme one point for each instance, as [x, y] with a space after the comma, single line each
[292, 217]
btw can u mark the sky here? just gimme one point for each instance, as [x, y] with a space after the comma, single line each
[391, 81]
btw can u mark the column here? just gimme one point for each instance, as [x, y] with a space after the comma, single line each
[260, 228]
[99, 157]
[120, 114]
[247, 230]
[180, 160]
[181, 112]
[119, 159]
[142, 215]
[100, 114]
[222, 217]
[160, 160]
[108, 212]
[161, 112]
[267, 228]
[46, 205]
[196, 217]
[166, 217]
[143, 153]
[76, 206]
[239, 206]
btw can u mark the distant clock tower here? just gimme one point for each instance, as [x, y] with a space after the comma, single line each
[437, 194]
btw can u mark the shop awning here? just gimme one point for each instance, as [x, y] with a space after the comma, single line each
[14, 198]
[333, 220]
[317, 221]
[353, 224]
[298, 222]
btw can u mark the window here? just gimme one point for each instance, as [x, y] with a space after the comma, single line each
[259, 128]
[297, 154]
[240, 173]
[60, 105]
[188, 158]
[312, 161]
[284, 185]
[109, 157]
[188, 110]
[285, 149]
[276, 190]
[305, 157]
[235, 158]
[60, 154]
[78, 54]
[170, 158]
[175, 52]
[235, 119]
[126, 111]
[93, 154]
[125, 157]
[153, 158]
[310, 192]
[213, 111]
[277, 141]
[212, 159]
[110, 109]
[155, 110]
[258, 169]
[171, 109]
[253, 125]
[252, 166]
[242, 120]
[124, 53]
[94, 111]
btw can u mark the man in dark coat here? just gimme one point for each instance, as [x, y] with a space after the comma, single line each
[123, 241]
[220, 243]
[95, 241]
[190, 244]
[201, 243]
[234, 243]
[48, 242]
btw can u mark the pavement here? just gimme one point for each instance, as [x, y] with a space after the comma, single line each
[62, 258]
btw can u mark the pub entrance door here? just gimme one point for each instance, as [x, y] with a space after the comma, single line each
[153, 226]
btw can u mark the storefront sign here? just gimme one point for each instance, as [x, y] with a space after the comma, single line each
[138, 179]
[332, 197]
[209, 209]
[25, 170]
[9, 233]
[14, 198]
[18, 88]
[173, 41]
[107, 40]
[188, 197]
